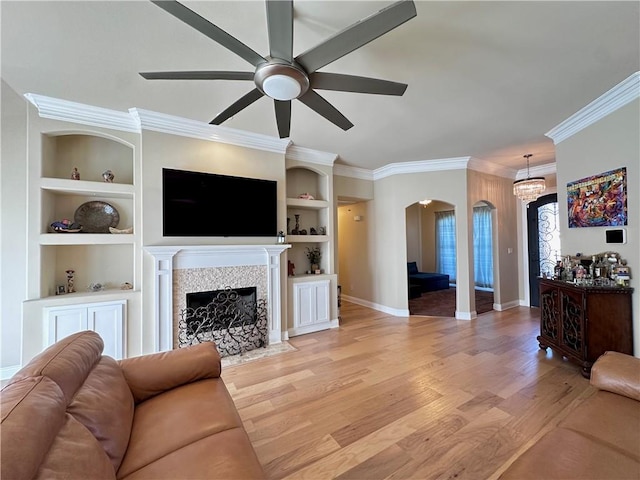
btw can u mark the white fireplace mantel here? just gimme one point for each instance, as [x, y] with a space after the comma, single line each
[168, 258]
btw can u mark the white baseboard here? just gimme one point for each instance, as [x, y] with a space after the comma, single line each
[316, 327]
[396, 312]
[466, 315]
[501, 307]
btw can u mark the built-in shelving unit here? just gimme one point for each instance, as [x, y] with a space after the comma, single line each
[95, 257]
[312, 304]
[55, 150]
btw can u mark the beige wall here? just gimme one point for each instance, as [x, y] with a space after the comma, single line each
[498, 193]
[392, 195]
[346, 188]
[397, 230]
[13, 218]
[610, 143]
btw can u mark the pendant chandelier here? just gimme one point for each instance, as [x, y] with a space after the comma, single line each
[528, 189]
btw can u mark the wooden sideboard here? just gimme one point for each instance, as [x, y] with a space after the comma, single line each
[582, 322]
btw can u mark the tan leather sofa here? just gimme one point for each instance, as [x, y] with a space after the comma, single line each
[73, 413]
[600, 439]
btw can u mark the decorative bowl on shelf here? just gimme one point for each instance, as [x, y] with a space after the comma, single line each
[306, 196]
[96, 216]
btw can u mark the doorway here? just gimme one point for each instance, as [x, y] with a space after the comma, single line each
[431, 249]
[543, 234]
[483, 256]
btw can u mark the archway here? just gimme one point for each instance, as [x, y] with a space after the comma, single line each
[431, 258]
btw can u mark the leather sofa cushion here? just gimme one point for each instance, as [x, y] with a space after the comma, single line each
[569, 455]
[34, 401]
[177, 418]
[149, 375]
[104, 404]
[75, 453]
[67, 362]
[618, 373]
[612, 419]
[226, 455]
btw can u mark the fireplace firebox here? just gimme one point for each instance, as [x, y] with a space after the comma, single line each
[233, 318]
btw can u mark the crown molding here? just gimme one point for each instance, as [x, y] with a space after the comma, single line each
[303, 154]
[491, 168]
[136, 120]
[353, 172]
[67, 111]
[420, 166]
[537, 171]
[620, 95]
[473, 163]
[164, 123]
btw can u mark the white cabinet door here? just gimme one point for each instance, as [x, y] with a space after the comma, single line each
[303, 305]
[310, 304]
[322, 302]
[108, 321]
[105, 318]
[62, 322]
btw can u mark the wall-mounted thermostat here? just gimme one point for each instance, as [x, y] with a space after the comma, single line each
[616, 236]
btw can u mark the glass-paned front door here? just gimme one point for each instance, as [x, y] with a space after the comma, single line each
[548, 237]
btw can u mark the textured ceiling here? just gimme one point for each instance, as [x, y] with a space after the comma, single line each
[486, 79]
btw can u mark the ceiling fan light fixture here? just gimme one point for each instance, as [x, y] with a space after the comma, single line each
[281, 87]
[530, 188]
[280, 80]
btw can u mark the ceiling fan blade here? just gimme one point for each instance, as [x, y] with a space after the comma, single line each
[357, 35]
[240, 104]
[283, 117]
[352, 83]
[212, 31]
[198, 75]
[315, 102]
[280, 28]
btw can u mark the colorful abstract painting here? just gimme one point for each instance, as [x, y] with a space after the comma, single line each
[599, 200]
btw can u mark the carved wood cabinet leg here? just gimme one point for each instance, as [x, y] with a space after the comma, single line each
[541, 344]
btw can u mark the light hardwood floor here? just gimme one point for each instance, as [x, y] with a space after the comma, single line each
[419, 397]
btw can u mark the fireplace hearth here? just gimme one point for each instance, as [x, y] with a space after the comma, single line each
[232, 318]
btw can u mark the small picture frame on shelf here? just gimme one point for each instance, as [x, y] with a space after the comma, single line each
[61, 290]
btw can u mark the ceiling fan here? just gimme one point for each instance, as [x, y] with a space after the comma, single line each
[282, 77]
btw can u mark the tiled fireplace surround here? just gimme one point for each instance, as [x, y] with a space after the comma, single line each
[179, 270]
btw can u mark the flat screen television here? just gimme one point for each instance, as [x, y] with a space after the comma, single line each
[197, 204]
